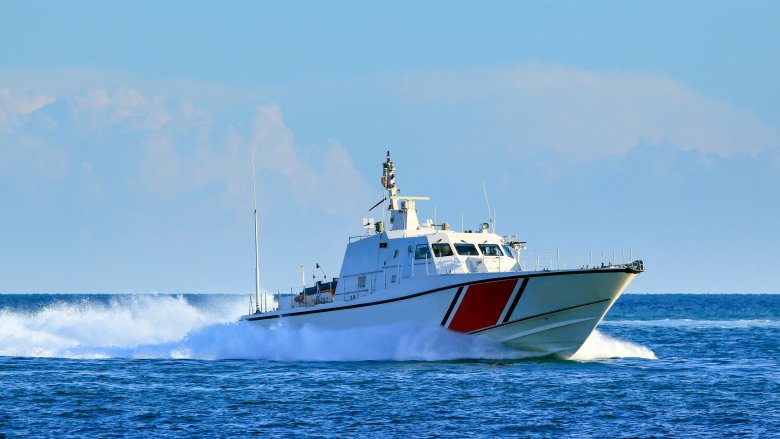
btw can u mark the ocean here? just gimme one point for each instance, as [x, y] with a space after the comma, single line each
[182, 366]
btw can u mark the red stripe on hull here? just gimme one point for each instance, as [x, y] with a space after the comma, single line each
[482, 305]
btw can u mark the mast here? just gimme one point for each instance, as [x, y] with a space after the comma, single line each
[388, 181]
[403, 211]
[257, 247]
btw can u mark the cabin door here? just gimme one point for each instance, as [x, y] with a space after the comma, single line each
[408, 263]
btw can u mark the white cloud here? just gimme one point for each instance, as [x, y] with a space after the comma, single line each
[574, 112]
[25, 154]
[530, 107]
[170, 165]
[13, 105]
[588, 114]
[324, 177]
[100, 108]
[316, 177]
[180, 147]
[274, 147]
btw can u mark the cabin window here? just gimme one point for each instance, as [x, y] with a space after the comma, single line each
[490, 250]
[361, 282]
[508, 251]
[441, 250]
[395, 254]
[422, 252]
[466, 249]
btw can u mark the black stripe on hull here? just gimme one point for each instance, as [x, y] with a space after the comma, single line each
[517, 299]
[462, 284]
[452, 306]
[539, 315]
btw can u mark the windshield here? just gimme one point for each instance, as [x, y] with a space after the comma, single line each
[490, 250]
[422, 252]
[508, 251]
[466, 249]
[440, 250]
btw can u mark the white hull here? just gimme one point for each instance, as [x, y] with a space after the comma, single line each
[541, 313]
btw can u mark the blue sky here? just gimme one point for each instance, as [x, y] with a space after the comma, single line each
[126, 130]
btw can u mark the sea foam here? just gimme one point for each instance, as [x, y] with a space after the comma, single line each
[164, 326]
[600, 346]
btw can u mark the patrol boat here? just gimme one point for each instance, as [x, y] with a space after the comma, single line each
[466, 281]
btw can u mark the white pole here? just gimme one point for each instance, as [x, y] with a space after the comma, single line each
[257, 245]
[490, 212]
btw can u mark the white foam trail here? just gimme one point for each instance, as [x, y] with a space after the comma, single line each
[152, 326]
[395, 343]
[601, 346]
[67, 328]
[149, 326]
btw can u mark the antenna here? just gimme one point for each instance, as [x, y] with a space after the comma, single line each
[317, 266]
[257, 246]
[490, 212]
[368, 224]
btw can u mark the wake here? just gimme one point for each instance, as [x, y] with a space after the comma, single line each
[170, 327]
[601, 346]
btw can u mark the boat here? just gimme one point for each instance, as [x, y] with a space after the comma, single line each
[467, 281]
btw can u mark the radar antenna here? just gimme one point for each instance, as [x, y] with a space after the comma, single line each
[388, 183]
[403, 213]
[388, 180]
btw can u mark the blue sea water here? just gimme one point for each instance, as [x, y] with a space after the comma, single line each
[181, 366]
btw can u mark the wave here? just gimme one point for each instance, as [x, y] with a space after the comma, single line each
[67, 328]
[175, 327]
[695, 323]
[399, 342]
[600, 346]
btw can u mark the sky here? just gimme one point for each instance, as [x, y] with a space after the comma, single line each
[126, 131]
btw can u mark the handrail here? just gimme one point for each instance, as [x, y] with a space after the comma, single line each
[528, 260]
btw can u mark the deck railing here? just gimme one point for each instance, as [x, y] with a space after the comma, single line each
[354, 286]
